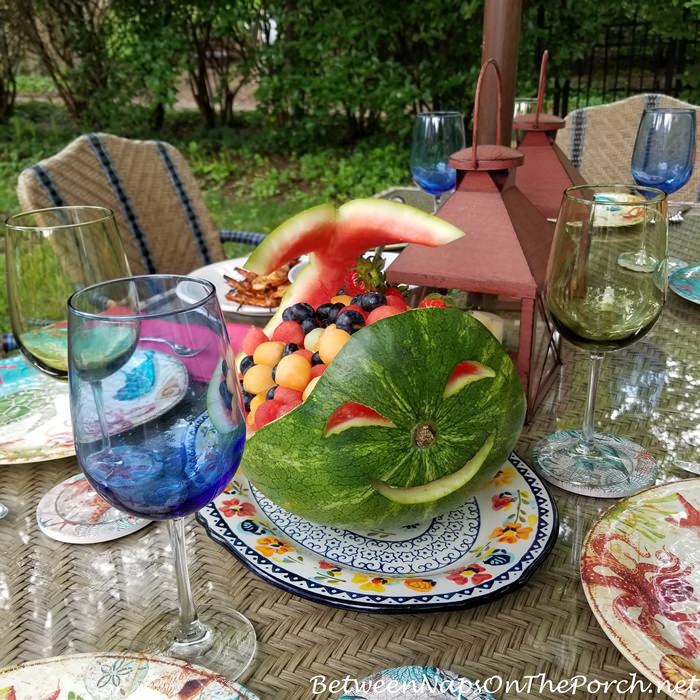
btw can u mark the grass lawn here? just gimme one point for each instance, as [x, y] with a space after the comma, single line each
[248, 178]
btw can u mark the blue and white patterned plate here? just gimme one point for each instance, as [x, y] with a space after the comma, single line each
[414, 683]
[481, 550]
[686, 283]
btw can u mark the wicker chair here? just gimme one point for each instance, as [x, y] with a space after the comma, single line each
[160, 212]
[599, 140]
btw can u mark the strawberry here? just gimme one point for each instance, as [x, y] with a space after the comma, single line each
[435, 301]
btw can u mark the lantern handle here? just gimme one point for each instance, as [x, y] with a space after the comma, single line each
[475, 144]
[541, 87]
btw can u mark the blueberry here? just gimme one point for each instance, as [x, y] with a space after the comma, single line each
[333, 313]
[225, 393]
[224, 367]
[308, 324]
[289, 348]
[247, 398]
[356, 300]
[350, 321]
[370, 300]
[274, 372]
[322, 311]
[340, 292]
[271, 393]
[316, 359]
[246, 363]
[297, 312]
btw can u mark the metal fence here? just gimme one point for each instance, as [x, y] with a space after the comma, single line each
[631, 59]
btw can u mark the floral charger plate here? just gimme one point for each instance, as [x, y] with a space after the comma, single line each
[35, 408]
[640, 570]
[481, 550]
[686, 283]
[114, 677]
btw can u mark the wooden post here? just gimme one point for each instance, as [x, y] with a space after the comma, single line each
[501, 38]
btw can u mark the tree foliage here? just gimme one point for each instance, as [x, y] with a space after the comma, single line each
[11, 49]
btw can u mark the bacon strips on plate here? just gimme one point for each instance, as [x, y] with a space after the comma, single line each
[258, 290]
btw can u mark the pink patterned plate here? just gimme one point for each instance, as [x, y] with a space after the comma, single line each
[72, 512]
[114, 677]
[640, 570]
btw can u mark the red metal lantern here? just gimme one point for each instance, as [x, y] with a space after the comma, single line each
[502, 257]
[547, 172]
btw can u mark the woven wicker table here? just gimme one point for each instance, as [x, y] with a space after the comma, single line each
[59, 598]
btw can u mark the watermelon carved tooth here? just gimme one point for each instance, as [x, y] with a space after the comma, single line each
[465, 373]
[354, 415]
[444, 486]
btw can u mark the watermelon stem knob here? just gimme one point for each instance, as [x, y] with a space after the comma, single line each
[439, 488]
[424, 435]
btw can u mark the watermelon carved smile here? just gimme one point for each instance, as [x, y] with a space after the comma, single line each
[444, 486]
[392, 434]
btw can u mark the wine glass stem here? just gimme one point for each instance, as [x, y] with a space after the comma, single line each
[596, 364]
[436, 203]
[99, 407]
[190, 629]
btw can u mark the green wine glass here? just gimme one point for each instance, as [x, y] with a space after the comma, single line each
[51, 253]
[600, 306]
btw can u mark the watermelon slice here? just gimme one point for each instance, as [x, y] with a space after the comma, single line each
[334, 239]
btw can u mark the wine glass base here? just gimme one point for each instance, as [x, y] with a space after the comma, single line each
[638, 261]
[3, 511]
[615, 467]
[228, 646]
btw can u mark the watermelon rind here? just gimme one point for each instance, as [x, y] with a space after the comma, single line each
[398, 367]
[444, 486]
[307, 231]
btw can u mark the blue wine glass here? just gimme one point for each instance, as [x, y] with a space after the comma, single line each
[663, 157]
[175, 463]
[436, 136]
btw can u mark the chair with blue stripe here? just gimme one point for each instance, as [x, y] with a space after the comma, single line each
[599, 140]
[159, 208]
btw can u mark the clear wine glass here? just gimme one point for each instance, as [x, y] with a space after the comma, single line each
[600, 306]
[176, 463]
[663, 157]
[436, 136]
[49, 254]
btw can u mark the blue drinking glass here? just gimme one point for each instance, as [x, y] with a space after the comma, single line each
[166, 457]
[664, 151]
[436, 136]
[663, 157]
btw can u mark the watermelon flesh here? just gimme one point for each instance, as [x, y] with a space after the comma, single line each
[414, 452]
[334, 239]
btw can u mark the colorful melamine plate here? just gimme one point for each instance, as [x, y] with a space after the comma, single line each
[491, 544]
[641, 574]
[35, 423]
[72, 512]
[686, 283]
[34, 414]
[414, 683]
[114, 677]
[619, 212]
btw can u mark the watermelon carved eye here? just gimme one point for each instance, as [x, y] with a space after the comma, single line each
[466, 373]
[354, 415]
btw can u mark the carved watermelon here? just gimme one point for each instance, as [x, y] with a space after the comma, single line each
[402, 424]
[335, 238]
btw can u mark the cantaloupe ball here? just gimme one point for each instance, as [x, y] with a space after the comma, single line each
[255, 402]
[343, 299]
[258, 379]
[312, 339]
[293, 372]
[331, 343]
[309, 388]
[268, 353]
